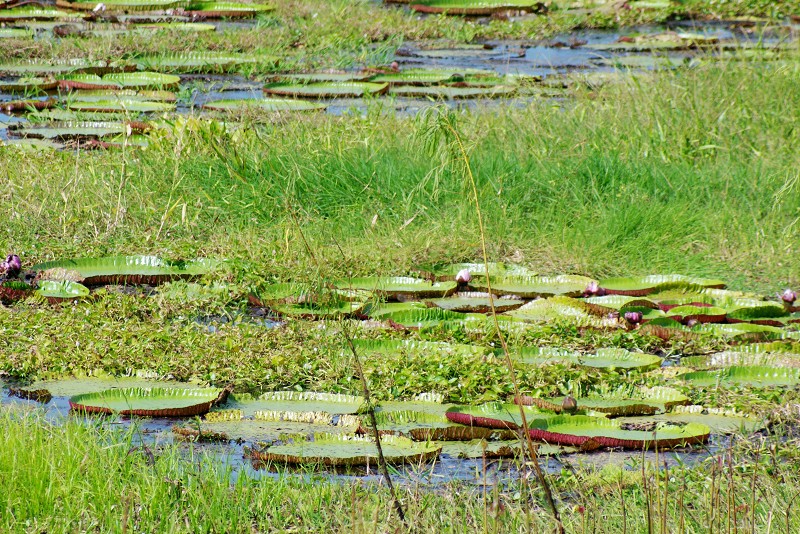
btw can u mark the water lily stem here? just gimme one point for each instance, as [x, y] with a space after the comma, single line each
[509, 363]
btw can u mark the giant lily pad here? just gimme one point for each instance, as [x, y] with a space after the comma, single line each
[564, 309]
[227, 9]
[469, 304]
[480, 448]
[638, 287]
[702, 314]
[576, 430]
[534, 286]
[121, 105]
[123, 5]
[418, 77]
[15, 33]
[767, 314]
[28, 85]
[611, 359]
[298, 402]
[52, 66]
[452, 91]
[34, 12]
[198, 62]
[61, 290]
[392, 287]
[429, 317]
[718, 420]
[495, 415]
[12, 290]
[740, 358]
[643, 402]
[474, 7]
[149, 402]
[422, 426]
[755, 376]
[327, 89]
[119, 80]
[132, 269]
[741, 331]
[342, 450]
[385, 347]
[619, 303]
[264, 104]
[70, 130]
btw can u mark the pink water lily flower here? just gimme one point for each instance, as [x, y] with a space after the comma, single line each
[463, 276]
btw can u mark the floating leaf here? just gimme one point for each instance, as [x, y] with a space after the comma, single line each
[15, 33]
[476, 304]
[577, 430]
[643, 402]
[422, 426]
[227, 9]
[619, 303]
[474, 7]
[132, 269]
[28, 85]
[427, 317]
[121, 105]
[452, 92]
[392, 287]
[409, 346]
[12, 291]
[61, 290]
[719, 421]
[702, 314]
[265, 104]
[644, 285]
[738, 358]
[198, 62]
[52, 66]
[480, 448]
[298, 402]
[327, 89]
[563, 309]
[69, 130]
[610, 358]
[323, 76]
[755, 376]
[340, 450]
[123, 5]
[149, 402]
[418, 76]
[34, 12]
[535, 286]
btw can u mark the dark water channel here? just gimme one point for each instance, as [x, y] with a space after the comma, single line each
[156, 432]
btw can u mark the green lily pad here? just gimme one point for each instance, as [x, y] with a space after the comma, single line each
[99, 95]
[327, 89]
[177, 26]
[418, 77]
[564, 309]
[392, 287]
[577, 430]
[646, 401]
[28, 85]
[15, 33]
[620, 303]
[448, 273]
[741, 331]
[149, 402]
[767, 314]
[385, 347]
[300, 402]
[474, 7]
[198, 62]
[476, 304]
[612, 359]
[534, 286]
[422, 426]
[342, 450]
[323, 309]
[132, 269]
[258, 430]
[480, 448]
[34, 12]
[426, 318]
[755, 376]
[98, 381]
[124, 5]
[61, 290]
[645, 285]
[69, 130]
[452, 92]
[736, 358]
[228, 9]
[719, 421]
[54, 66]
[121, 105]
[265, 104]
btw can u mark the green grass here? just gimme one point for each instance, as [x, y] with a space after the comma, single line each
[78, 477]
[692, 173]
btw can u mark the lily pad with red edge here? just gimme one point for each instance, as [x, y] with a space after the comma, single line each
[54, 66]
[612, 359]
[123, 5]
[416, 319]
[28, 85]
[150, 402]
[300, 402]
[646, 401]
[770, 315]
[476, 304]
[474, 7]
[343, 450]
[15, 33]
[720, 421]
[701, 314]
[218, 10]
[739, 358]
[264, 104]
[741, 331]
[35, 12]
[391, 287]
[198, 62]
[645, 285]
[495, 415]
[578, 430]
[432, 349]
[619, 303]
[480, 448]
[132, 269]
[422, 426]
[534, 286]
[320, 76]
[326, 89]
[73, 130]
[120, 105]
[448, 92]
[561, 309]
[753, 376]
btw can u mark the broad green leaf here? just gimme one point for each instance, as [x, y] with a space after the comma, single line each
[755, 376]
[326, 89]
[132, 269]
[148, 402]
[265, 104]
